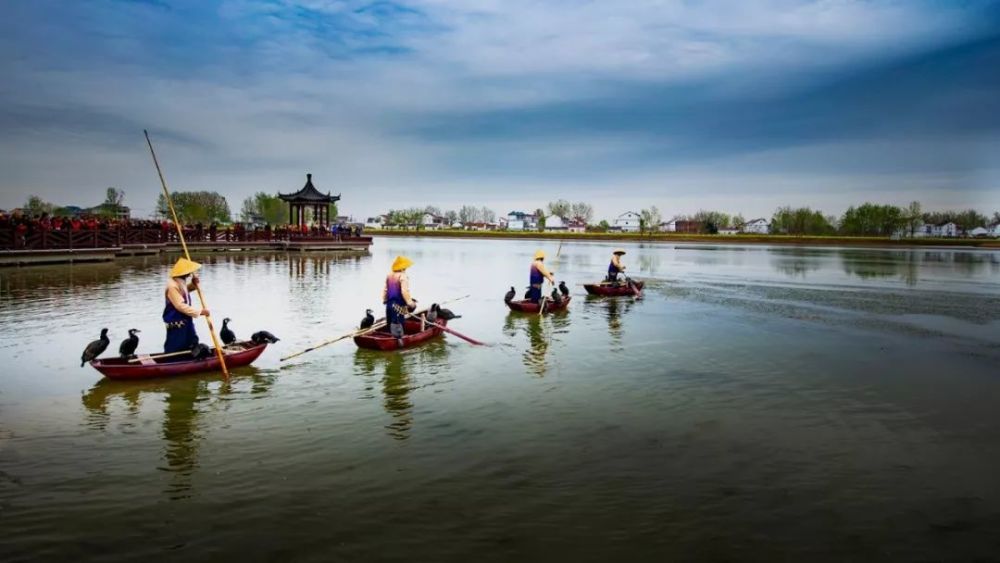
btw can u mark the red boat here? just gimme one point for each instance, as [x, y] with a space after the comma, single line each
[237, 355]
[413, 334]
[610, 289]
[529, 306]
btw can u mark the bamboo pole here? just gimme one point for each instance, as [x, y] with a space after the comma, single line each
[180, 234]
[545, 296]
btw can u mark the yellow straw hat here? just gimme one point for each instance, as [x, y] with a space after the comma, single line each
[401, 263]
[618, 251]
[184, 267]
[539, 254]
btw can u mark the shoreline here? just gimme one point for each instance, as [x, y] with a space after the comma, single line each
[667, 238]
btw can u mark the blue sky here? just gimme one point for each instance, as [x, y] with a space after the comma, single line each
[732, 105]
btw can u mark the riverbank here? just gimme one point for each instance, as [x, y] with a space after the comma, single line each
[702, 239]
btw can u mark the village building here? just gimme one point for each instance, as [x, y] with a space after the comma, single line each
[555, 223]
[756, 227]
[521, 221]
[628, 222]
[575, 226]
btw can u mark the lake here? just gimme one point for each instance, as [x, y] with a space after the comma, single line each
[760, 403]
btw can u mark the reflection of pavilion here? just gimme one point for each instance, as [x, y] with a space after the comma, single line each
[398, 370]
[180, 431]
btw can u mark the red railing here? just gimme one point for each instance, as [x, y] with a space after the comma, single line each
[10, 239]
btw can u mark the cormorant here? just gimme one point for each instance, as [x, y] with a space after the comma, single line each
[555, 297]
[95, 348]
[227, 335]
[563, 289]
[128, 346]
[263, 336]
[509, 296]
[368, 321]
[432, 315]
[446, 314]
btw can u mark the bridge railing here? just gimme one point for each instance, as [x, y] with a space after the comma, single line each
[11, 239]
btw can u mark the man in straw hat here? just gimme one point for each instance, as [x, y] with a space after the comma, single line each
[537, 277]
[616, 267]
[178, 314]
[396, 296]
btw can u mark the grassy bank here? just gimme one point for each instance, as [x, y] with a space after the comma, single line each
[703, 239]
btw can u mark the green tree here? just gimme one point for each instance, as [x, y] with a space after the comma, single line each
[914, 217]
[604, 226]
[561, 207]
[540, 219]
[196, 207]
[712, 221]
[800, 221]
[872, 220]
[649, 219]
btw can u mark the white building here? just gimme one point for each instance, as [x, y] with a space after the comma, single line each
[729, 230]
[979, 232]
[521, 221]
[945, 230]
[576, 227]
[555, 223]
[433, 222]
[627, 222]
[668, 226]
[377, 222]
[756, 227]
[995, 230]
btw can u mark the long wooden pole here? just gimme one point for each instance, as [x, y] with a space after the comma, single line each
[468, 339]
[180, 234]
[545, 296]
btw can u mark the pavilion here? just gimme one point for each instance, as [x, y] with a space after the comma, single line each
[305, 198]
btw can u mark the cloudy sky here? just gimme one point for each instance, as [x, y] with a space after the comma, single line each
[734, 105]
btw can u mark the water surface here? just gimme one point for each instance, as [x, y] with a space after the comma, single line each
[759, 403]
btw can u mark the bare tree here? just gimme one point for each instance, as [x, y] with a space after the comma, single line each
[582, 212]
[562, 208]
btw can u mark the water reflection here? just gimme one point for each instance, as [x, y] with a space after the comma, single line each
[400, 374]
[869, 264]
[184, 399]
[797, 262]
[612, 310]
[541, 330]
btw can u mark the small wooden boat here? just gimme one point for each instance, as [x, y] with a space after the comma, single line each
[529, 306]
[237, 355]
[414, 333]
[610, 289]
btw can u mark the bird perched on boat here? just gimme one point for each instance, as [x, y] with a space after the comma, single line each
[509, 296]
[95, 348]
[263, 336]
[200, 351]
[368, 321]
[555, 297]
[227, 334]
[563, 289]
[128, 346]
[443, 313]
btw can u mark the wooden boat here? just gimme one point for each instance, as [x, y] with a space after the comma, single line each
[529, 306]
[382, 339]
[609, 289]
[238, 354]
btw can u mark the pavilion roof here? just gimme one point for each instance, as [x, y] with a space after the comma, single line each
[309, 194]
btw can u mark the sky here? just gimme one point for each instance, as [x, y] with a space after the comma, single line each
[732, 105]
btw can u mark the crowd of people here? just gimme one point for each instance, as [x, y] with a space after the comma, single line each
[24, 225]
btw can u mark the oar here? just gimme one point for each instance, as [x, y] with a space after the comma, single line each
[180, 234]
[374, 327]
[446, 329]
[635, 289]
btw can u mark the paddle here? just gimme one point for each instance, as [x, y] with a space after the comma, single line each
[359, 332]
[635, 289]
[446, 329]
[180, 234]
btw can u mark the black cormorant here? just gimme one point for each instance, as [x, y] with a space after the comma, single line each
[95, 348]
[128, 346]
[563, 289]
[368, 321]
[509, 295]
[263, 336]
[227, 335]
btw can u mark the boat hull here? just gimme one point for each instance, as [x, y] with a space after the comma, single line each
[412, 336]
[528, 306]
[611, 290]
[117, 368]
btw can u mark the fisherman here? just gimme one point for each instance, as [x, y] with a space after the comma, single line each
[538, 276]
[397, 299]
[178, 314]
[616, 267]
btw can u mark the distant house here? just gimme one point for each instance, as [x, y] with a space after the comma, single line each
[433, 222]
[575, 226]
[994, 230]
[948, 229]
[555, 223]
[521, 221]
[377, 222]
[756, 227]
[979, 232]
[627, 222]
[729, 230]
[480, 226]
[680, 226]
